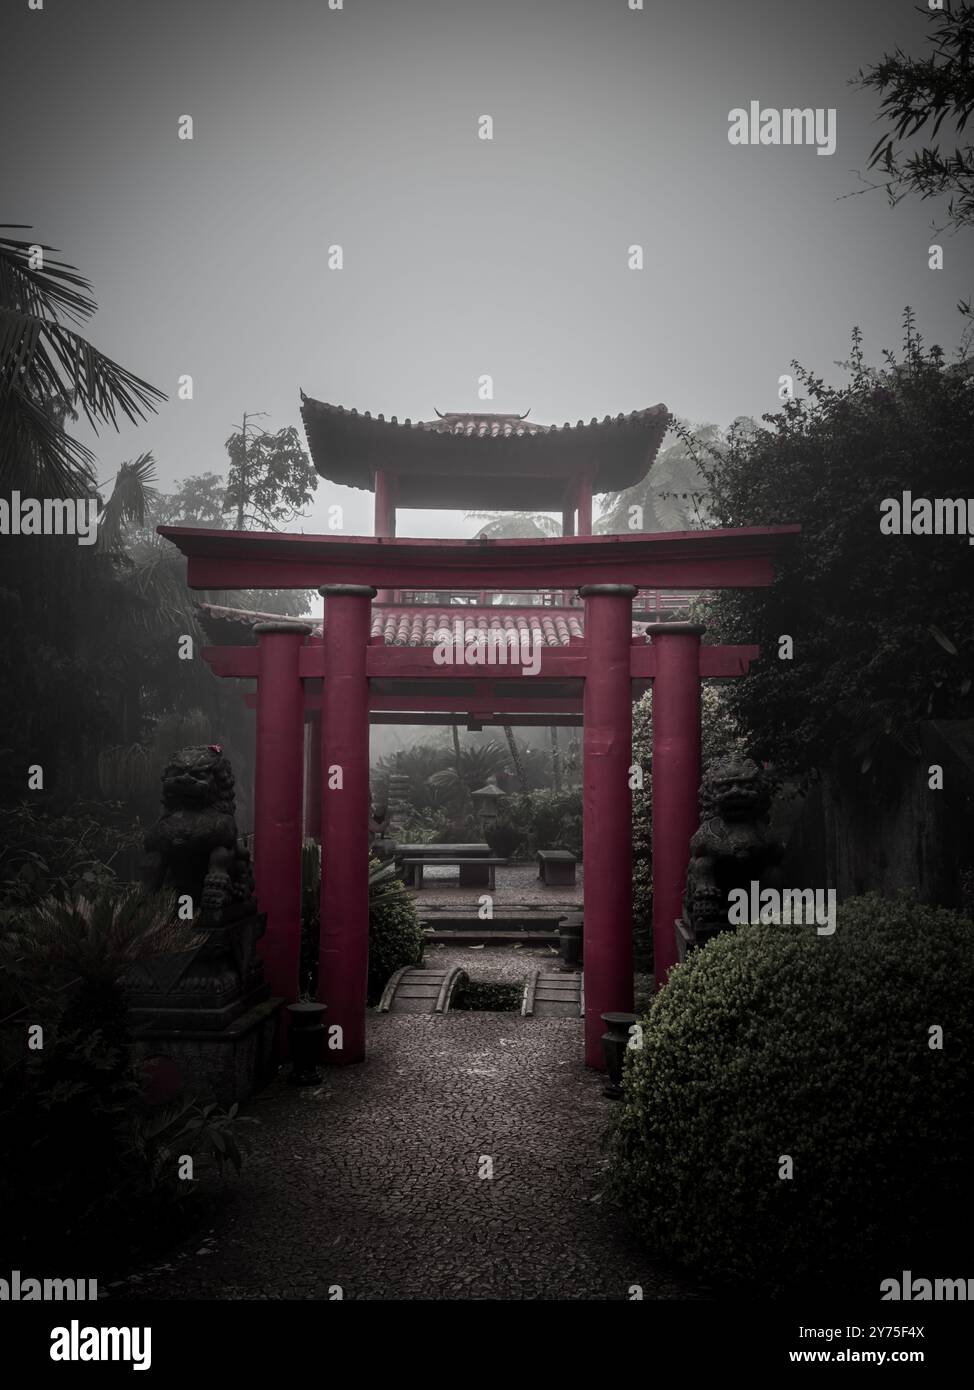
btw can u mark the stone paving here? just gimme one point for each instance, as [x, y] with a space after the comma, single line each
[376, 1181]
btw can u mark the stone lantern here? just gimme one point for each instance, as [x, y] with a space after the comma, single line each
[488, 802]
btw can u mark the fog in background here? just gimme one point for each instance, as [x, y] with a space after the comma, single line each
[315, 126]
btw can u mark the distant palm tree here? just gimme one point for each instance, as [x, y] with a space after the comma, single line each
[673, 495]
[515, 525]
[48, 371]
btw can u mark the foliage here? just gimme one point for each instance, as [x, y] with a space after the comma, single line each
[515, 525]
[924, 94]
[395, 935]
[503, 836]
[102, 1169]
[44, 853]
[74, 1130]
[436, 783]
[271, 477]
[548, 820]
[96, 667]
[775, 1041]
[673, 495]
[47, 369]
[720, 734]
[68, 956]
[488, 997]
[864, 608]
[199, 500]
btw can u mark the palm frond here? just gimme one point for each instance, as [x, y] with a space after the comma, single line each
[42, 361]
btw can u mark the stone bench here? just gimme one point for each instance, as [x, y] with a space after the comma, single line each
[481, 850]
[556, 867]
[476, 871]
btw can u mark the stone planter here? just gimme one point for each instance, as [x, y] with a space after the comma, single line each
[570, 934]
[615, 1040]
[306, 1033]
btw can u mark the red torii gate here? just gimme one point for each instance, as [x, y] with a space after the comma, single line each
[345, 659]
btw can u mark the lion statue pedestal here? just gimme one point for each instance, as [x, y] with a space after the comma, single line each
[208, 1009]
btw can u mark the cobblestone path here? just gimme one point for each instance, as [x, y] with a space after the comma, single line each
[372, 1181]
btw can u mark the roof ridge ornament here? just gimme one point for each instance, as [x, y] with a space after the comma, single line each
[481, 414]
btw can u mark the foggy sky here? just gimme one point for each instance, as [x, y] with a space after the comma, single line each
[462, 256]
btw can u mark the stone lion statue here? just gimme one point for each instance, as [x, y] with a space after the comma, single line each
[732, 848]
[193, 847]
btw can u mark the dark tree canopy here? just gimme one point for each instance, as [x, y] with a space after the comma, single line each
[882, 625]
[271, 477]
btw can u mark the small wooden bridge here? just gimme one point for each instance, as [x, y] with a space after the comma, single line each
[553, 994]
[547, 993]
[415, 991]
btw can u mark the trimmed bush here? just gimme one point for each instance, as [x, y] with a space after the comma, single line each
[775, 1041]
[395, 936]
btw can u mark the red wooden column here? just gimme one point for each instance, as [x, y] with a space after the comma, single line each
[607, 809]
[385, 506]
[385, 517]
[278, 788]
[676, 777]
[343, 960]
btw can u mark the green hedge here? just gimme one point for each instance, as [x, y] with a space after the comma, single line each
[775, 1041]
[395, 935]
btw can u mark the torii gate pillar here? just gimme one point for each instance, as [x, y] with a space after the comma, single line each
[279, 781]
[607, 809]
[343, 958]
[676, 777]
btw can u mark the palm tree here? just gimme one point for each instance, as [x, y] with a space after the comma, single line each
[515, 525]
[91, 946]
[673, 495]
[516, 758]
[48, 370]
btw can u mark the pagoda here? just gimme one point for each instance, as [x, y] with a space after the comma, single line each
[589, 607]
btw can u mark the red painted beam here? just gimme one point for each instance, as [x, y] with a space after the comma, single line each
[516, 721]
[412, 663]
[241, 662]
[742, 558]
[714, 661]
[727, 661]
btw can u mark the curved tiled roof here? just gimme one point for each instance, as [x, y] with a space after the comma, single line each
[415, 626]
[458, 459]
[411, 627]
